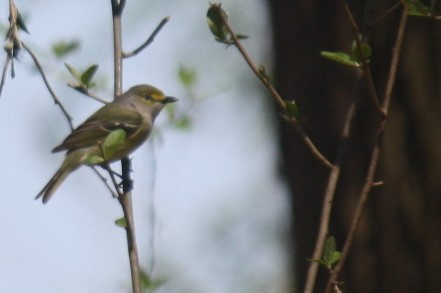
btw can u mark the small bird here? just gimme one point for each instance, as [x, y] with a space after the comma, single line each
[132, 113]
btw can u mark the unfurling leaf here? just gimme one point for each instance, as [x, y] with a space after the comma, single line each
[340, 57]
[20, 22]
[292, 109]
[63, 48]
[121, 222]
[148, 283]
[215, 22]
[86, 76]
[183, 123]
[187, 76]
[417, 8]
[84, 79]
[367, 52]
[330, 254]
[75, 72]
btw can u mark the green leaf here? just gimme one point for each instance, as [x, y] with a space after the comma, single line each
[330, 254]
[292, 109]
[20, 22]
[183, 123]
[63, 48]
[121, 222]
[242, 37]
[113, 142]
[148, 283]
[417, 8]
[367, 52]
[86, 76]
[340, 57]
[94, 160]
[187, 76]
[75, 72]
[216, 24]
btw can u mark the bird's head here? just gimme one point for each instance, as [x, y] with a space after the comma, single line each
[146, 99]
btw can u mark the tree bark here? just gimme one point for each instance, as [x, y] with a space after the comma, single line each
[397, 246]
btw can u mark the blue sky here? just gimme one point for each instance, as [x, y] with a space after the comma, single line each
[208, 198]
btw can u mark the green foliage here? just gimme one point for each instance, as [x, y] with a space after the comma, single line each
[330, 254]
[216, 19]
[147, 283]
[354, 59]
[20, 22]
[181, 123]
[94, 159]
[63, 48]
[417, 8]
[216, 24]
[292, 109]
[83, 79]
[121, 222]
[187, 76]
[356, 55]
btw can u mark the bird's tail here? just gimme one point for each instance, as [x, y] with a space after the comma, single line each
[49, 189]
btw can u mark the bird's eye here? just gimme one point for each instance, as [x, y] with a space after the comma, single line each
[148, 97]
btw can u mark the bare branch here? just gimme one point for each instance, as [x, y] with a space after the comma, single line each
[148, 41]
[46, 82]
[104, 180]
[87, 93]
[5, 69]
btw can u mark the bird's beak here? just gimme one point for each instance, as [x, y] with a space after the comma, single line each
[168, 100]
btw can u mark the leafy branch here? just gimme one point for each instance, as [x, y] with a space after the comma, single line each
[218, 23]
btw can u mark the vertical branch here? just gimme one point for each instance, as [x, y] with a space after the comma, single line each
[369, 181]
[117, 9]
[126, 197]
[329, 197]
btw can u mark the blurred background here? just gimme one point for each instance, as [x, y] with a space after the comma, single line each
[229, 200]
[211, 211]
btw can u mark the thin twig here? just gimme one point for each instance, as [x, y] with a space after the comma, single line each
[125, 199]
[148, 41]
[104, 180]
[87, 93]
[364, 63]
[333, 179]
[369, 181]
[48, 86]
[5, 69]
[276, 96]
[387, 12]
[328, 198]
[117, 8]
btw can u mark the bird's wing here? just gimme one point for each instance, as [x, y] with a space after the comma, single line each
[100, 124]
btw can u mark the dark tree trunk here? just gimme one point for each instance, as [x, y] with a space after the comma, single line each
[398, 245]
